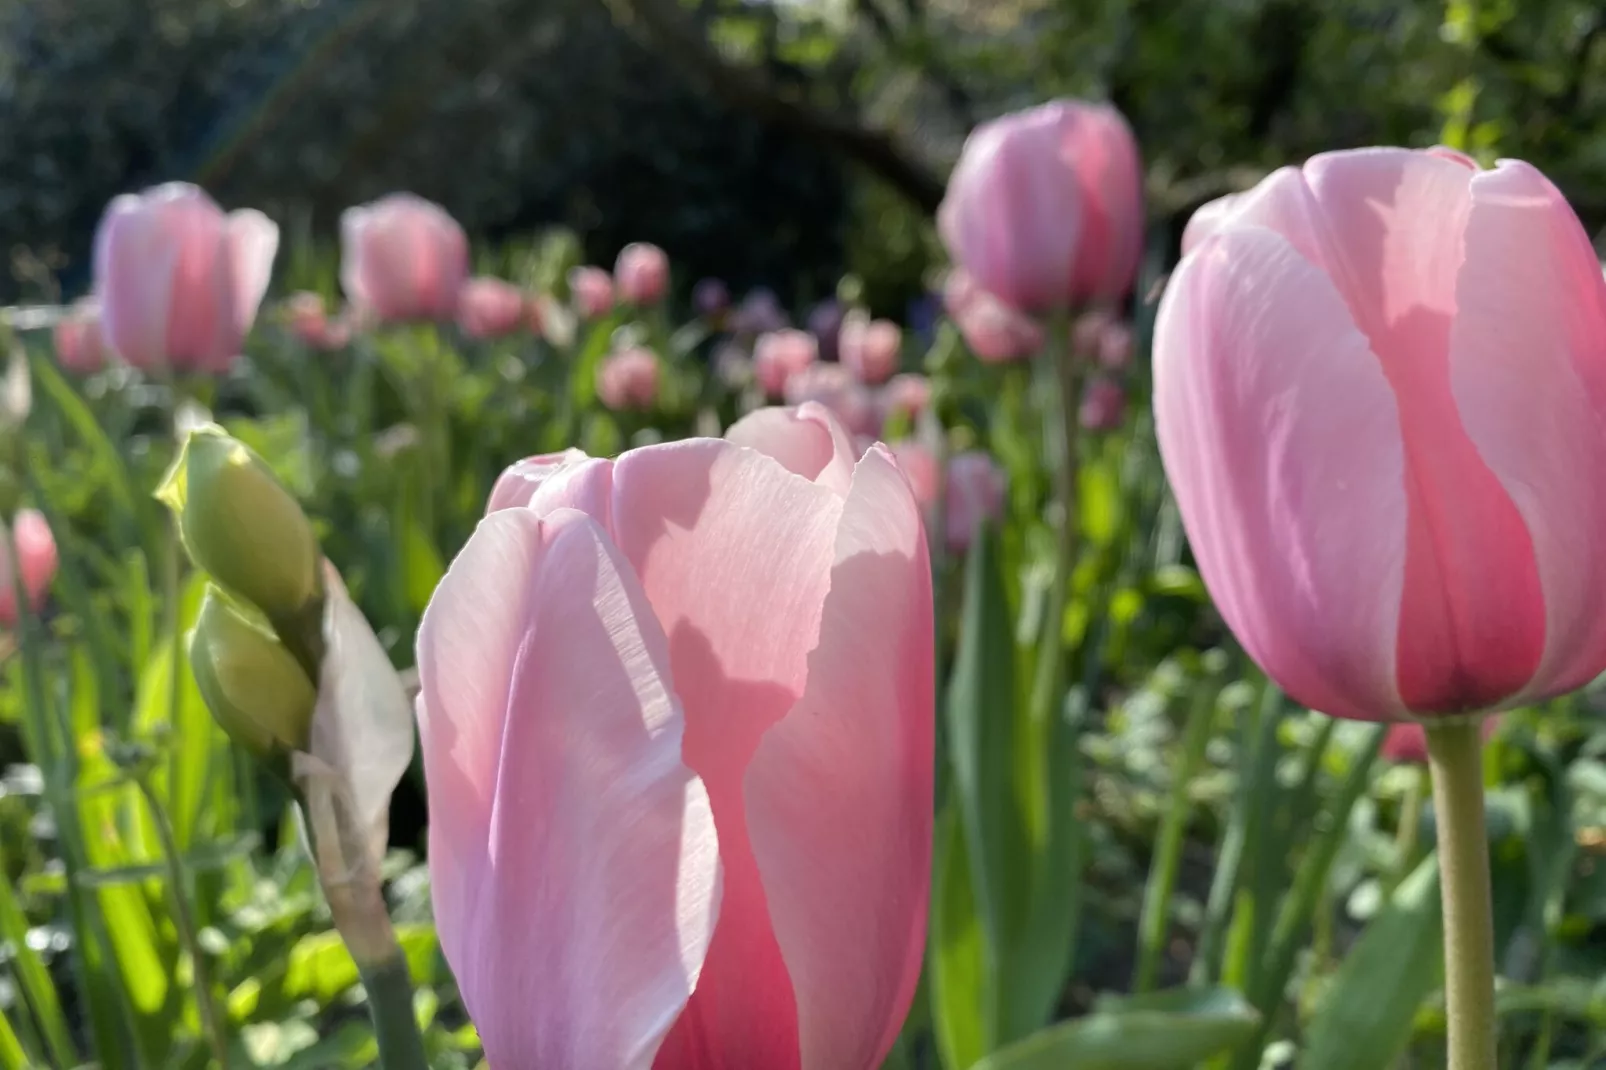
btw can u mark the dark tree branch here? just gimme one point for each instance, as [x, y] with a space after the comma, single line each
[751, 90]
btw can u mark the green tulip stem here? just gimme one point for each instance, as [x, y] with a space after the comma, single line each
[1059, 386]
[390, 1003]
[1455, 756]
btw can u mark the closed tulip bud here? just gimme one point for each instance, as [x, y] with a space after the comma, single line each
[907, 395]
[1380, 398]
[629, 379]
[994, 331]
[591, 289]
[256, 690]
[779, 355]
[1103, 405]
[641, 274]
[179, 281]
[80, 348]
[490, 308]
[1045, 207]
[34, 564]
[1115, 347]
[242, 527]
[402, 259]
[869, 348]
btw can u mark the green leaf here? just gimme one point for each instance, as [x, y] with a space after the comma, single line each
[321, 969]
[38, 990]
[108, 459]
[957, 958]
[12, 1057]
[1364, 1020]
[1174, 1030]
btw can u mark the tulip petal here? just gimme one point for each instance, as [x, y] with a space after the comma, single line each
[806, 440]
[134, 263]
[1281, 438]
[839, 792]
[253, 242]
[354, 223]
[518, 482]
[735, 554]
[1528, 371]
[578, 907]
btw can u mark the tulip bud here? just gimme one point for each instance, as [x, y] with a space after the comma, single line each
[255, 689]
[242, 527]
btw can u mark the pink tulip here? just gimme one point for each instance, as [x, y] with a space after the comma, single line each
[679, 820]
[1406, 743]
[592, 290]
[1380, 395]
[1103, 405]
[1045, 207]
[1115, 347]
[641, 274]
[834, 387]
[313, 326]
[976, 489]
[36, 550]
[490, 308]
[779, 355]
[79, 345]
[1208, 219]
[179, 281]
[869, 348]
[919, 463]
[994, 331]
[907, 395]
[402, 259]
[629, 379]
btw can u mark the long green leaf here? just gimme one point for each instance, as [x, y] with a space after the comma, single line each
[957, 961]
[1165, 1031]
[37, 988]
[1365, 1017]
[12, 1057]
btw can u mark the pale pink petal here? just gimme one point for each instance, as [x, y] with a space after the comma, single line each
[1281, 438]
[839, 793]
[1528, 370]
[585, 484]
[806, 440]
[518, 482]
[135, 259]
[1111, 177]
[354, 224]
[253, 242]
[1208, 219]
[201, 330]
[36, 550]
[581, 911]
[735, 554]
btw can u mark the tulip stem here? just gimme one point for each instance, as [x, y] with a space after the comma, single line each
[1062, 366]
[1455, 756]
[390, 1003]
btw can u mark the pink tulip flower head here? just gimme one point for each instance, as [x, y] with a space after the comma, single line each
[179, 281]
[779, 355]
[994, 331]
[629, 379]
[1380, 396]
[402, 259]
[976, 490]
[869, 348]
[1103, 405]
[907, 395]
[1115, 347]
[312, 325]
[834, 386]
[490, 308]
[592, 291]
[1045, 207]
[919, 463]
[35, 561]
[1406, 743]
[641, 274]
[80, 348]
[678, 819]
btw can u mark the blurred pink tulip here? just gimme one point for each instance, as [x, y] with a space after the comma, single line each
[779, 355]
[592, 291]
[629, 379]
[976, 488]
[36, 551]
[907, 395]
[1088, 333]
[312, 325]
[678, 819]
[1406, 743]
[994, 331]
[77, 337]
[919, 463]
[1103, 405]
[1115, 347]
[179, 281]
[402, 258]
[1380, 396]
[1045, 207]
[641, 274]
[869, 348]
[490, 308]
[834, 387]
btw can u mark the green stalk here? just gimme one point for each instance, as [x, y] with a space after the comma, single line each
[1295, 911]
[1455, 756]
[1168, 849]
[390, 1003]
[1408, 831]
[184, 916]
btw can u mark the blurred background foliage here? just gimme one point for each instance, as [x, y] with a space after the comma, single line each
[699, 125]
